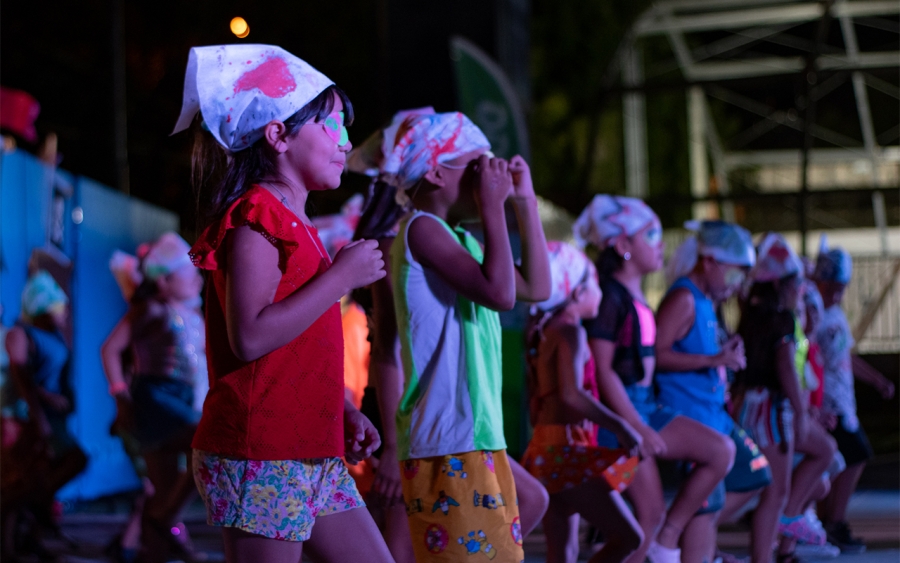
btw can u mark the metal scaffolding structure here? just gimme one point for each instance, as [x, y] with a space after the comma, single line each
[721, 46]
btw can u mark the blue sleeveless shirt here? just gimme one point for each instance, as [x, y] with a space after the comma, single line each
[698, 394]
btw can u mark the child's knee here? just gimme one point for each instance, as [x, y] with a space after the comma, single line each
[721, 454]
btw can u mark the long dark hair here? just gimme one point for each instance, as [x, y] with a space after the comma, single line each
[380, 213]
[762, 318]
[608, 262]
[220, 177]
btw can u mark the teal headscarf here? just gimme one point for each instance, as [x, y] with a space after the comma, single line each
[41, 294]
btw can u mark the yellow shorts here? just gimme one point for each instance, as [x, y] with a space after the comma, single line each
[463, 505]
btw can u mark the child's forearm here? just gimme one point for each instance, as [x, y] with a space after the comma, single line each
[866, 373]
[498, 266]
[389, 388]
[533, 278]
[670, 360]
[787, 377]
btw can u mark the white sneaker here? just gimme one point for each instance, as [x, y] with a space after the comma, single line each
[660, 554]
[813, 519]
[826, 550]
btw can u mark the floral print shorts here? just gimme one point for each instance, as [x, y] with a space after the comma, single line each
[276, 499]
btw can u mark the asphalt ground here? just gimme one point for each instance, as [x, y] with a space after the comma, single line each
[873, 514]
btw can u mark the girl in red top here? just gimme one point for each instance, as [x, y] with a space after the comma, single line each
[275, 422]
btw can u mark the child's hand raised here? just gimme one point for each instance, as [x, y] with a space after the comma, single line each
[359, 263]
[493, 182]
[523, 188]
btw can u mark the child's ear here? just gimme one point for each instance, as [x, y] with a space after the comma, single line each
[275, 134]
[435, 176]
[622, 245]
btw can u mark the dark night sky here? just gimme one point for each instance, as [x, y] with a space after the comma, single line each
[387, 55]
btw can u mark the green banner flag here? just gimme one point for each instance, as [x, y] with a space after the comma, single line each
[487, 97]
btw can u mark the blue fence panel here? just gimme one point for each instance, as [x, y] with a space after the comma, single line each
[25, 194]
[110, 221]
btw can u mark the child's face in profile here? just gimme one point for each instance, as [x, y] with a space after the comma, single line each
[458, 175]
[184, 284]
[590, 296]
[647, 248]
[832, 292]
[812, 321]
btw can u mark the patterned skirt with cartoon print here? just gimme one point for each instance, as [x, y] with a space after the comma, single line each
[463, 505]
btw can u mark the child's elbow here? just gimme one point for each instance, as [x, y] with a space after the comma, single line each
[244, 348]
[503, 301]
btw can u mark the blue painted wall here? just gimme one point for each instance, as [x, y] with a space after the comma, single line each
[110, 221]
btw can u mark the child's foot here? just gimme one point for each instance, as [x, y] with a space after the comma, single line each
[825, 551]
[801, 529]
[660, 554]
[839, 534]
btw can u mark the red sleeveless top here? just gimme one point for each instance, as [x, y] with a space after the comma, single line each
[288, 404]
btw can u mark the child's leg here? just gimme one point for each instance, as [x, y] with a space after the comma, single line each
[646, 496]
[698, 542]
[561, 530]
[396, 534]
[842, 488]
[734, 502]
[712, 453]
[818, 449]
[162, 470]
[771, 503]
[533, 497]
[605, 509]
[244, 547]
[350, 535]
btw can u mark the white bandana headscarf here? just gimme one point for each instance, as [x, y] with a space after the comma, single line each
[165, 255]
[834, 265]
[240, 88]
[168, 254]
[609, 216]
[775, 260]
[424, 141]
[725, 242]
[569, 267]
[368, 157]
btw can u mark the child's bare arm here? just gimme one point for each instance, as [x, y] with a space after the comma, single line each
[613, 392]
[533, 277]
[255, 324]
[491, 283]
[111, 354]
[385, 372]
[790, 385]
[570, 345]
[17, 345]
[867, 374]
[673, 322]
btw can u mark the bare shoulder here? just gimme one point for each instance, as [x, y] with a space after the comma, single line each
[678, 300]
[17, 345]
[565, 335]
[425, 235]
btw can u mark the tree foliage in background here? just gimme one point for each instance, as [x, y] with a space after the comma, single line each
[576, 130]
